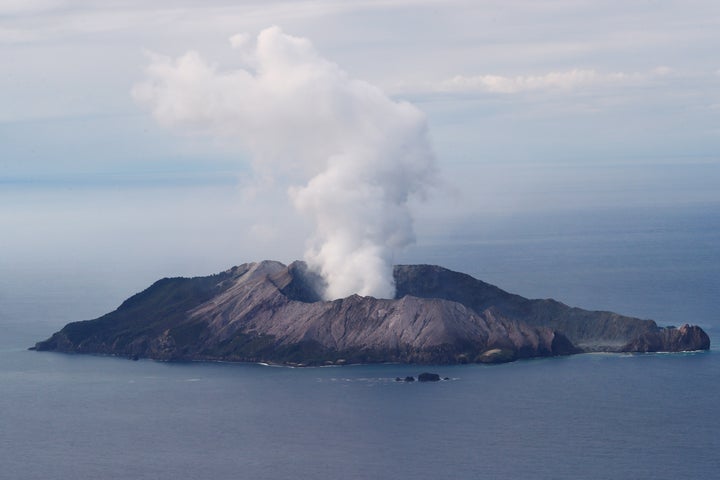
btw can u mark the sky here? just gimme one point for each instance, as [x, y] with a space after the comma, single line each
[530, 106]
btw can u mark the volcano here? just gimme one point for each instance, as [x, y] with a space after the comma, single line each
[272, 313]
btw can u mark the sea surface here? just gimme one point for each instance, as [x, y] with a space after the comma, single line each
[595, 416]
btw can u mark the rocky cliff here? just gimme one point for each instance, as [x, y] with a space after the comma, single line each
[269, 312]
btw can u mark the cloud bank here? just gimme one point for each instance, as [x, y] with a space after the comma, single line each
[355, 156]
[563, 80]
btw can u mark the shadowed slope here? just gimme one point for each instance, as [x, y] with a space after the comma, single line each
[588, 330]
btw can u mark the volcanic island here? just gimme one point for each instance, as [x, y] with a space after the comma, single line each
[272, 313]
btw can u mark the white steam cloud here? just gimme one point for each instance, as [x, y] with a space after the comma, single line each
[356, 155]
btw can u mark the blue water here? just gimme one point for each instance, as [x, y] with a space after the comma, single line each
[587, 416]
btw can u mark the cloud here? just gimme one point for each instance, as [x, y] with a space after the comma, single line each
[240, 40]
[354, 156]
[25, 7]
[574, 79]
[15, 35]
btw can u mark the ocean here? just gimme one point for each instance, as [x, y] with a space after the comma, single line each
[594, 416]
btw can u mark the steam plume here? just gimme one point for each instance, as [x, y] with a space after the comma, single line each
[355, 155]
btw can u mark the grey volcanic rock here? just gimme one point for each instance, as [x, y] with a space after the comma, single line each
[590, 331]
[269, 312]
[428, 377]
[685, 338]
[496, 355]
